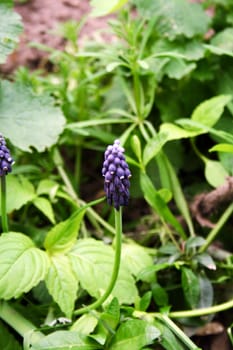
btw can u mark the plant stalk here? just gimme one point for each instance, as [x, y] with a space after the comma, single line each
[116, 267]
[3, 204]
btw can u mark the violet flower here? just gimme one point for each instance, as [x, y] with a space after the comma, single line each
[6, 160]
[116, 176]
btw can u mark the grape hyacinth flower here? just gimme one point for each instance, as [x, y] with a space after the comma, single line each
[116, 176]
[6, 160]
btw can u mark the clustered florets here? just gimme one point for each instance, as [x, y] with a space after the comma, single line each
[116, 175]
[6, 160]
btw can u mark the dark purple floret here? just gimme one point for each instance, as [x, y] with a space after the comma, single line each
[116, 176]
[6, 160]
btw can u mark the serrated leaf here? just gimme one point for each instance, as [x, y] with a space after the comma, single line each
[92, 261]
[44, 205]
[190, 286]
[37, 122]
[136, 258]
[62, 283]
[63, 236]
[10, 29]
[175, 18]
[19, 191]
[134, 334]
[209, 111]
[7, 340]
[104, 7]
[22, 265]
[215, 173]
[65, 340]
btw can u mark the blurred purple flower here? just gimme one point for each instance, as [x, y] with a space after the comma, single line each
[6, 160]
[116, 176]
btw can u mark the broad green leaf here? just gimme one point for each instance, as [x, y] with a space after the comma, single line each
[7, 340]
[104, 7]
[10, 29]
[22, 265]
[175, 18]
[136, 258]
[145, 301]
[209, 111]
[65, 340]
[158, 204]
[206, 292]
[175, 132]
[92, 262]
[224, 40]
[63, 236]
[19, 192]
[134, 334]
[48, 187]
[37, 122]
[215, 173]
[190, 286]
[222, 147]
[62, 283]
[44, 205]
[177, 68]
[85, 324]
[154, 146]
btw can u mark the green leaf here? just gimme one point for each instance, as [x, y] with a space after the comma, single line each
[136, 258]
[206, 292]
[222, 147]
[19, 191]
[134, 334]
[168, 339]
[175, 132]
[224, 40]
[22, 265]
[92, 262]
[7, 340]
[153, 147]
[160, 295]
[62, 283]
[37, 123]
[48, 187]
[215, 173]
[158, 204]
[85, 324]
[194, 242]
[206, 260]
[111, 316]
[145, 301]
[10, 29]
[65, 340]
[136, 146]
[104, 7]
[209, 111]
[44, 205]
[175, 17]
[63, 236]
[190, 285]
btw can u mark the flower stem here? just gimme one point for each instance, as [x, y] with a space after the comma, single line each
[116, 267]
[3, 204]
[213, 233]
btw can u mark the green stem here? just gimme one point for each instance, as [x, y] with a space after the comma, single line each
[178, 332]
[198, 312]
[21, 325]
[213, 233]
[3, 204]
[116, 267]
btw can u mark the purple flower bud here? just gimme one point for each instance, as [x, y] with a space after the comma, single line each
[116, 174]
[5, 158]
